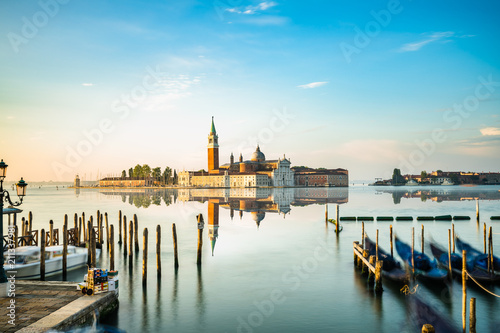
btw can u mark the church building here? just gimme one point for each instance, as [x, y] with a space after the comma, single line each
[256, 172]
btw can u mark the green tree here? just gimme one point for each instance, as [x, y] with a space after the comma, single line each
[131, 172]
[175, 178]
[138, 171]
[397, 178]
[167, 174]
[423, 174]
[146, 171]
[124, 174]
[156, 173]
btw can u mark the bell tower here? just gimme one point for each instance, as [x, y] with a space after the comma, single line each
[213, 149]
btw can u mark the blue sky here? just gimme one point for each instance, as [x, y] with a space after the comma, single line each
[94, 87]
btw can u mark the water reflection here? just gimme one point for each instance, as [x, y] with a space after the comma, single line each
[442, 193]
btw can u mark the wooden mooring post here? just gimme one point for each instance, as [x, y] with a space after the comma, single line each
[42, 256]
[136, 230]
[413, 252]
[145, 257]
[464, 289]
[376, 247]
[449, 254]
[124, 235]
[111, 248]
[51, 233]
[362, 235]
[484, 236]
[120, 227]
[472, 315]
[30, 220]
[422, 246]
[65, 252]
[93, 242]
[176, 257]
[453, 236]
[326, 213]
[130, 239]
[390, 235]
[200, 239]
[371, 275]
[378, 276]
[107, 229]
[491, 262]
[477, 210]
[337, 220]
[158, 251]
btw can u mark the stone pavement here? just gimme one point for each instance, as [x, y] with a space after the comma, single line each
[35, 300]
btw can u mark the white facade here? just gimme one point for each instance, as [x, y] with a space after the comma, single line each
[283, 175]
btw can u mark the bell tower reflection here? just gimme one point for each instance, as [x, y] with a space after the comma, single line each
[213, 222]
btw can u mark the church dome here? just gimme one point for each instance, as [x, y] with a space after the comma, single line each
[258, 156]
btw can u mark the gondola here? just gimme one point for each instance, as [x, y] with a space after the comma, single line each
[391, 269]
[480, 259]
[425, 268]
[456, 265]
[422, 313]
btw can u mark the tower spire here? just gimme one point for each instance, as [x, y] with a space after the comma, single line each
[212, 129]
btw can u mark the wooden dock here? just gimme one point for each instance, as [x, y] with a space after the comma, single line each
[52, 305]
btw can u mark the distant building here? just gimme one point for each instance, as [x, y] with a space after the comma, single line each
[77, 181]
[321, 177]
[256, 172]
[126, 182]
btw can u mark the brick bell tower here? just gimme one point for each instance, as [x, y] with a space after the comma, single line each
[213, 150]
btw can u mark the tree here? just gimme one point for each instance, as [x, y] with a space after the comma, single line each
[131, 172]
[423, 174]
[175, 177]
[397, 179]
[138, 171]
[124, 174]
[156, 173]
[167, 174]
[146, 171]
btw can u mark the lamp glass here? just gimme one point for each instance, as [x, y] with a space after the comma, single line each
[3, 170]
[21, 188]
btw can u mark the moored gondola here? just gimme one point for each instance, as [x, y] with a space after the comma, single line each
[391, 269]
[425, 268]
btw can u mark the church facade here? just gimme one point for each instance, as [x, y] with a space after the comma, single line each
[256, 172]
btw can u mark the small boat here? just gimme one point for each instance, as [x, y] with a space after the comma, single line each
[335, 223]
[425, 268]
[25, 260]
[422, 313]
[447, 182]
[480, 259]
[411, 182]
[456, 265]
[391, 269]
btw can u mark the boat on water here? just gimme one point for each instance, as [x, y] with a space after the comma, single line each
[391, 268]
[422, 313]
[411, 182]
[447, 182]
[25, 260]
[480, 259]
[456, 265]
[425, 268]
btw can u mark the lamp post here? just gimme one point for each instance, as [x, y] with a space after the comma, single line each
[4, 195]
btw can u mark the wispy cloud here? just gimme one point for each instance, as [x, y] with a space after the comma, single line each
[490, 131]
[435, 37]
[87, 84]
[170, 88]
[250, 10]
[312, 85]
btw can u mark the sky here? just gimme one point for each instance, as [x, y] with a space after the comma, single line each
[96, 87]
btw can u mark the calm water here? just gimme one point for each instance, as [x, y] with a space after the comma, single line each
[277, 267]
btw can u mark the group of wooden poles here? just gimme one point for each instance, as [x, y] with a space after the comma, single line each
[92, 238]
[374, 267]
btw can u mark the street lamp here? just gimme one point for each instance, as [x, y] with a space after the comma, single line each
[4, 195]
